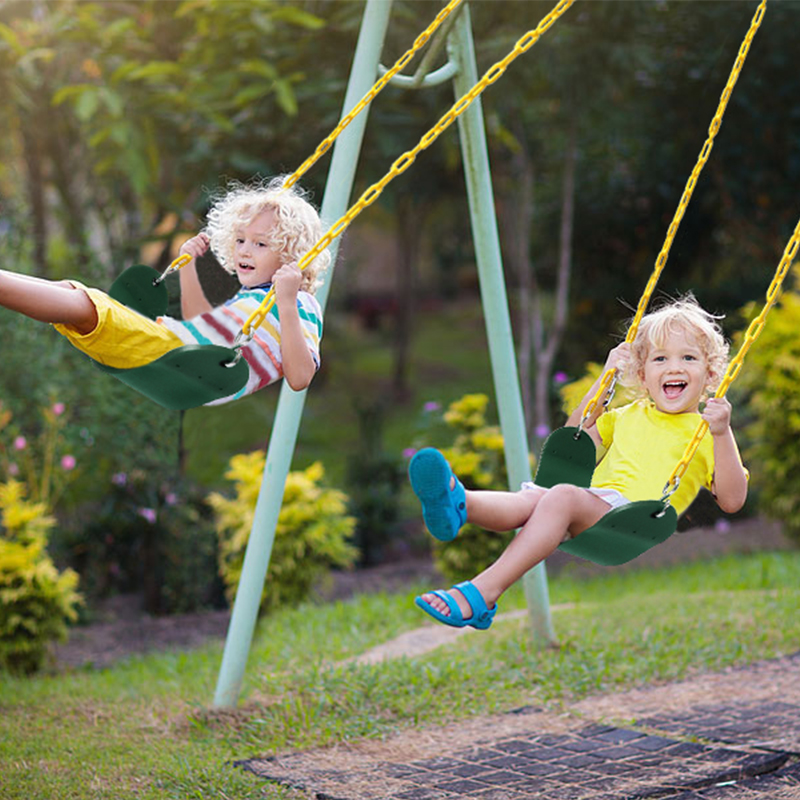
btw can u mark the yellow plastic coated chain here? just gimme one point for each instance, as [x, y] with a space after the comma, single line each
[326, 143]
[608, 377]
[407, 159]
[753, 332]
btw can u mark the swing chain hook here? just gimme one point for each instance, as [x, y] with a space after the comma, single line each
[606, 403]
[239, 342]
[611, 391]
[180, 261]
[669, 489]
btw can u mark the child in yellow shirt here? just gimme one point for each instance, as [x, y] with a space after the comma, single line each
[677, 359]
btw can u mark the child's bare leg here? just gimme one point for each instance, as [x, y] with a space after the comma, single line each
[560, 509]
[502, 511]
[48, 301]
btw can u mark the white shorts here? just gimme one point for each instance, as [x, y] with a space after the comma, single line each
[611, 496]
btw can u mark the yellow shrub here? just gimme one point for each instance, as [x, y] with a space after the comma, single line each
[311, 537]
[36, 601]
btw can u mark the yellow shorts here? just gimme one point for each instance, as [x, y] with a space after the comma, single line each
[123, 338]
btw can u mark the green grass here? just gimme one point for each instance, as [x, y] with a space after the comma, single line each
[143, 729]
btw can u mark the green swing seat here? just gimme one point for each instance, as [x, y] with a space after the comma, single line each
[569, 456]
[186, 377]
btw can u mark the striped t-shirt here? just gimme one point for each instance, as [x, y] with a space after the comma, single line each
[222, 324]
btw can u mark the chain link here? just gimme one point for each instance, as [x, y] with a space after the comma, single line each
[751, 334]
[661, 261]
[408, 158]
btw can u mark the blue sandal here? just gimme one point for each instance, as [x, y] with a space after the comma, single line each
[443, 509]
[481, 618]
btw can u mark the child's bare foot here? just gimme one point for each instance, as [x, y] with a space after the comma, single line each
[436, 601]
[460, 606]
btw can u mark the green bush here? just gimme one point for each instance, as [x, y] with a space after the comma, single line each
[478, 459]
[36, 601]
[148, 536]
[771, 376]
[312, 533]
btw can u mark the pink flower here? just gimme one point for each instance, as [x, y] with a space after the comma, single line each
[171, 499]
[20, 443]
[119, 479]
[431, 406]
[147, 513]
[409, 452]
[68, 463]
[58, 409]
[722, 526]
[560, 377]
[13, 469]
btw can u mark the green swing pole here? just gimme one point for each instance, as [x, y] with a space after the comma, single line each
[477, 170]
[290, 404]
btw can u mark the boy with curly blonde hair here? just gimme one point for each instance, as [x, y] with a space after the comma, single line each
[677, 360]
[258, 233]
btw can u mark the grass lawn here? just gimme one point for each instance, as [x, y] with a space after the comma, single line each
[143, 730]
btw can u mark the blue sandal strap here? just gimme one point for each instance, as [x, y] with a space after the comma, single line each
[482, 615]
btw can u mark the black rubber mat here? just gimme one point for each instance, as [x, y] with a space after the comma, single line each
[596, 763]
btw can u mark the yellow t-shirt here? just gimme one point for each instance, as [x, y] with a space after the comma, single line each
[643, 445]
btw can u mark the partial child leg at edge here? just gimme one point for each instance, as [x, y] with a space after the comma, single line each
[48, 301]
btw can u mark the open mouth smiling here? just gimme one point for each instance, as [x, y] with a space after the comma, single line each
[673, 389]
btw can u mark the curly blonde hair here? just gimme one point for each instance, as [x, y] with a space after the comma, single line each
[297, 224]
[683, 315]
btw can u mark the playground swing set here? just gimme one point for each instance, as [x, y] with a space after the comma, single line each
[196, 374]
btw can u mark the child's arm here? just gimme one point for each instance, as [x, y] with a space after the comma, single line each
[193, 299]
[730, 480]
[616, 359]
[298, 363]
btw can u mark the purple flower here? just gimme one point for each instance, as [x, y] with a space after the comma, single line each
[58, 409]
[13, 469]
[431, 406]
[119, 479]
[409, 452]
[147, 513]
[20, 443]
[560, 377]
[171, 499]
[68, 463]
[722, 526]
[542, 431]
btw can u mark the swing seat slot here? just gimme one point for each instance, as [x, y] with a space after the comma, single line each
[624, 533]
[186, 377]
[566, 459]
